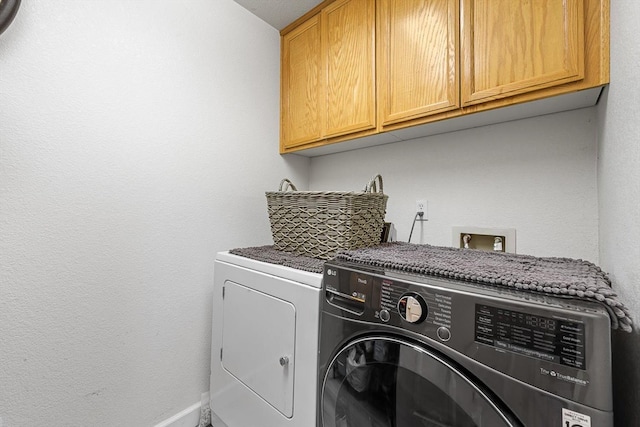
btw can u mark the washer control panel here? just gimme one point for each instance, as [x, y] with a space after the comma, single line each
[392, 301]
[428, 305]
[456, 315]
[555, 340]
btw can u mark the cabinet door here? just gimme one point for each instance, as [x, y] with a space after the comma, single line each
[511, 47]
[301, 85]
[417, 58]
[348, 34]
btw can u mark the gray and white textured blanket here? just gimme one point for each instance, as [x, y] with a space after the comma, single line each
[552, 276]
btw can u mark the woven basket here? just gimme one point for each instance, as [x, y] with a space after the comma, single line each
[319, 223]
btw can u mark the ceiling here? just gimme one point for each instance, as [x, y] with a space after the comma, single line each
[278, 13]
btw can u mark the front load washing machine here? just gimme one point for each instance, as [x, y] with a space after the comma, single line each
[264, 350]
[406, 350]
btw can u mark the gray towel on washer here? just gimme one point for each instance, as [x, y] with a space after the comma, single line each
[554, 276]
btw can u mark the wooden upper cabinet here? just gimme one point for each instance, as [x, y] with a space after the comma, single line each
[301, 85]
[355, 68]
[348, 36]
[417, 58]
[511, 47]
[328, 75]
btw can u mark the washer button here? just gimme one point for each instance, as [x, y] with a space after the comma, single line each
[444, 333]
[384, 315]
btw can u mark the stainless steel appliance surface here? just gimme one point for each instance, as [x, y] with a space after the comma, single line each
[407, 350]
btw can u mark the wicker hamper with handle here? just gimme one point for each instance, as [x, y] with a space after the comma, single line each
[319, 223]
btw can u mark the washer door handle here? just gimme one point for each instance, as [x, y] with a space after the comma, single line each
[284, 360]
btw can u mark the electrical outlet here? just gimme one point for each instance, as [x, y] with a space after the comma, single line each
[421, 207]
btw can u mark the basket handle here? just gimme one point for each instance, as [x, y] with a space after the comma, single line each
[286, 185]
[372, 187]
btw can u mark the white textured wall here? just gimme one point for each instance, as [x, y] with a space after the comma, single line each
[536, 175]
[619, 193]
[137, 139]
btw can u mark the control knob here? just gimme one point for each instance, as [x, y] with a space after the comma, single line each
[413, 308]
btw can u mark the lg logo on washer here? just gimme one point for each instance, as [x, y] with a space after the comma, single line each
[564, 377]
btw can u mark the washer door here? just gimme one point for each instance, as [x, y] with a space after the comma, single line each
[382, 381]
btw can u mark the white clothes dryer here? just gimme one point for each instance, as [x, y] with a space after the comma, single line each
[264, 351]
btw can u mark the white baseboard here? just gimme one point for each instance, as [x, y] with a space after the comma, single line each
[189, 417]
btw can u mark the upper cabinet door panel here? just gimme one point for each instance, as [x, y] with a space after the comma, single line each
[301, 86]
[511, 47]
[417, 58]
[348, 31]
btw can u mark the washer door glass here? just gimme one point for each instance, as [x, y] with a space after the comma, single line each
[381, 381]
